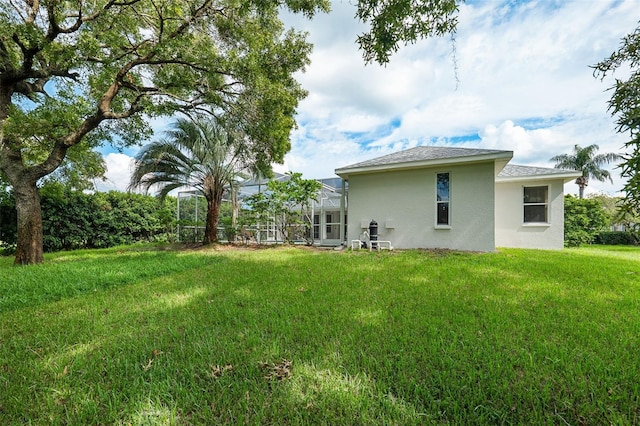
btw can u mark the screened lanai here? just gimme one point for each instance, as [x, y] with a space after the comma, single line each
[328, 213]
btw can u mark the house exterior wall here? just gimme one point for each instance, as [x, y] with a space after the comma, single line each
[511, 231]
[404, 205]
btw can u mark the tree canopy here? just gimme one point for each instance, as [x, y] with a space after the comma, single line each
[625, 105]
[75, 71]
[392, 23]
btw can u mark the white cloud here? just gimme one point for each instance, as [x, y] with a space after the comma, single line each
[119, 167]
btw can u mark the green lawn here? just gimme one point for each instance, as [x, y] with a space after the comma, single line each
[298, 336]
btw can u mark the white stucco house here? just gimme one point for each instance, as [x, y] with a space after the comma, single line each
[456, 198]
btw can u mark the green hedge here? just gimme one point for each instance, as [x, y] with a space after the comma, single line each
[617, 238]
[73, 220]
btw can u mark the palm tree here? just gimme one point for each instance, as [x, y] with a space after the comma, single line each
[198, 154]
[585, 160]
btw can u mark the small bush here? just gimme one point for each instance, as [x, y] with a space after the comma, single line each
[7, 249]
[577, 237]
[583, 220]
[620, 238]
[230, 232]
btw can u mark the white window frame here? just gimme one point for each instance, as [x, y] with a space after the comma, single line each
[546, 204]
[437, 203]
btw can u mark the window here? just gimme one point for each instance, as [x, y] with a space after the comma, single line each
[442, 199]
[536, 204]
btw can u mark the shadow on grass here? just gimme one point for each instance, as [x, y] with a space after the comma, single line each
[70, 275]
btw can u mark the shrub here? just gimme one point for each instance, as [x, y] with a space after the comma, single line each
[73, 219]
[8, 220]
[67, 218]
[7, 249]
[617, 238]
[230, 231]
[583, 220]
[577, 237]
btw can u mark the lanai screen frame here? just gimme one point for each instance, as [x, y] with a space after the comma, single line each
[332, 197]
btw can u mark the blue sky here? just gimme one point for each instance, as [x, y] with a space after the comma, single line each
[521, 82]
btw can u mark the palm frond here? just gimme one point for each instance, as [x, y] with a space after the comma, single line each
[200, 154]
[586, 161]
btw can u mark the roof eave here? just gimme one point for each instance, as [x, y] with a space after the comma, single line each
[566, 177]
[345, 172]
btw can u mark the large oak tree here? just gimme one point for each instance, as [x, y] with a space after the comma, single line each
[75, 74]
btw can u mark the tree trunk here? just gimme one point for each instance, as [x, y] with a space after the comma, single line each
[29, 248]
[213, 193]
[211, 228]
[582, 183]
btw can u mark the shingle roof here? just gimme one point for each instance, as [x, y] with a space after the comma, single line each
[424, 153]
[515, 171]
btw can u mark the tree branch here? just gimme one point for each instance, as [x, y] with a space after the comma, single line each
[179, 62]
[35, 5]
[28, 54]
[187, 22]
[28, 89]
[108, 6]
[54, 28]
